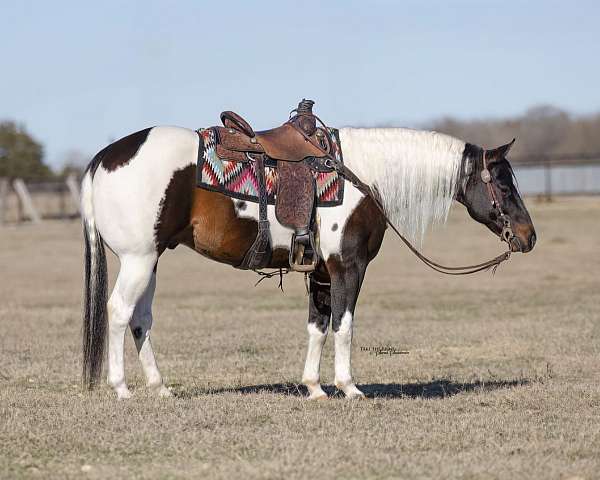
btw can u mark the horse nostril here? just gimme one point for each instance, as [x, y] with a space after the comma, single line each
[532, 241]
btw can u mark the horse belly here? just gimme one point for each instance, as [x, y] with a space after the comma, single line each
[216, 231]
[223, 229]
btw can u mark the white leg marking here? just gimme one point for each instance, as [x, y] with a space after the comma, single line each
[132, 281]
[310, 378]
[343, 348]
[141, 325]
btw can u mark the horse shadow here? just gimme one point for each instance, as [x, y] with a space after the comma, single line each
[441, 388]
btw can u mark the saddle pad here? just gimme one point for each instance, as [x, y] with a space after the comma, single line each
[238, 179]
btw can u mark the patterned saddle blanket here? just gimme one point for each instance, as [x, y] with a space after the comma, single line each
[239, 179]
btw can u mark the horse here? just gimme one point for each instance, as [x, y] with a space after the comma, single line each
[139, 198]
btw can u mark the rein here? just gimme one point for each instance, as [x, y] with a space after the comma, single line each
[507, 234]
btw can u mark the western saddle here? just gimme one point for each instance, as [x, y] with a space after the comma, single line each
[298, 147]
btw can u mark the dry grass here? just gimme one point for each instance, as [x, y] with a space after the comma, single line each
[501, 380]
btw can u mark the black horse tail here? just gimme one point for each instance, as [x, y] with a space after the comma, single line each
[96, 283]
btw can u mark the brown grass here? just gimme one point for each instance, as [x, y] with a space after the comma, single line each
[501, 380]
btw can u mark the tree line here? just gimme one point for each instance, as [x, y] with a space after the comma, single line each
[20, 154]
[542, 130]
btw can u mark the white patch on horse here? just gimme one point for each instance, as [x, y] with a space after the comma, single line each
[136, 189]
[330, 239]
[281, 237]
[415, 172]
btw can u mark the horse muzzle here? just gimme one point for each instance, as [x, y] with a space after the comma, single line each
[521, 241]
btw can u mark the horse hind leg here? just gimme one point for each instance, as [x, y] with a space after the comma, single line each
[133, 280]
[140, 326]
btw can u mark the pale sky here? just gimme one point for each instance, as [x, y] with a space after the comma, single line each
[80, 74]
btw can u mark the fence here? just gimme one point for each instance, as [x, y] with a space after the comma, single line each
[547, 176]
[35, 201]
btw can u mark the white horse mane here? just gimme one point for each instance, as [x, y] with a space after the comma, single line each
[414, 171]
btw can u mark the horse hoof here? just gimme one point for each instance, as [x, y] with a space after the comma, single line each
[358, 395]
[318, 395]
[315, 392]
[123, 393]
[164, 392]
[352, 392]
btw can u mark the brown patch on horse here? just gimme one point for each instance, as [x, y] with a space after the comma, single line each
[175, 208]
[366, 225]
[217, 232]
[119, 153]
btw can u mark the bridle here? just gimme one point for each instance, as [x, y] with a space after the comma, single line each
[507, 234]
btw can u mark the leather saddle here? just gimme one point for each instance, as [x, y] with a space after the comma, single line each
[294, 146]
[291, 142]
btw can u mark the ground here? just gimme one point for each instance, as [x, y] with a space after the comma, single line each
[501, 379]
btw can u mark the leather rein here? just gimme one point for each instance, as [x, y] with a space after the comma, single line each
[507, 234]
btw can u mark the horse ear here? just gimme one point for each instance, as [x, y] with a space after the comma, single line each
[500, 152]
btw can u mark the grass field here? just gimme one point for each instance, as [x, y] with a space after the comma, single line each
[502, 378]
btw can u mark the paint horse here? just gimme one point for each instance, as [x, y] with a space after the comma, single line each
[139, 197]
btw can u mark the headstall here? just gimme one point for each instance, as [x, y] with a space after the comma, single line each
[507, 234]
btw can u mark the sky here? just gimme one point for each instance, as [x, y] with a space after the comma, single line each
[79, 74]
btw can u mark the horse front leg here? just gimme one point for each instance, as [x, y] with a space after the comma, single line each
[319, 314]
[346, 281]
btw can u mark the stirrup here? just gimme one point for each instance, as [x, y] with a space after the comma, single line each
[303, 254]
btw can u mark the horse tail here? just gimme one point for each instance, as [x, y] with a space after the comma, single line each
[95, 290]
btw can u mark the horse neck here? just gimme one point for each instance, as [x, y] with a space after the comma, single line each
[415, 172]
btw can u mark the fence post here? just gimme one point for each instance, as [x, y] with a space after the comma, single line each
[25, 200]
[3, 199]
[73, 186]
[548, 180]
